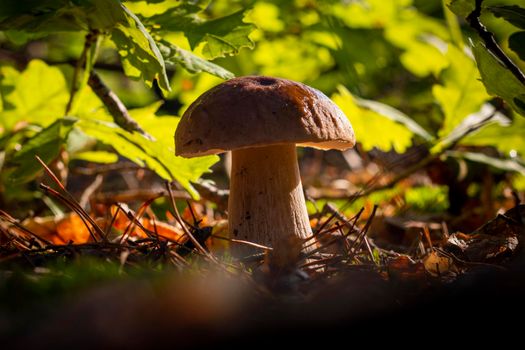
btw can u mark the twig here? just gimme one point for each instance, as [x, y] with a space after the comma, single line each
[490, 42]
[359, 241]
[352, 226]
[114, 105]
[105, 168]
[333, 240]
[14, 222]
[139, 194]
[88, 192]
[323, 262]
[240, 241]
[91, 38]
[111, 223]
[51, 174]
[49, 191]
[186, 231]
[69, 200]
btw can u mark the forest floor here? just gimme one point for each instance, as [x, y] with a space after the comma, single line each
[122, 278]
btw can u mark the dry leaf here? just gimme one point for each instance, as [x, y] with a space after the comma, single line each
[439, 265]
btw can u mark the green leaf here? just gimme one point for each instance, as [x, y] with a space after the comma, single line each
[38, 95]
[432, 198]
[290, 58]
[157, 154]
[504, 134]
[472, 124]
[462, 8]
[373, 129]
[192, 63]
[517, 44]
[140, 55]
[512, 14]
[420, 40]
[41, 17]
[221, 37]
[394, 115]
[498, 80]
[498, 163]
[96, 157]
[46, 144]
[461, 93]
[51, 16]
[423, 59]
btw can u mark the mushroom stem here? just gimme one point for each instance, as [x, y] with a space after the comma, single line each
[266, 203]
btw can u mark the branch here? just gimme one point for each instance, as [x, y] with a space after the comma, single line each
[490, 42]
[114, 105]
[91, 38]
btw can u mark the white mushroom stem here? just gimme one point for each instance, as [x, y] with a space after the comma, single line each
[266, 203]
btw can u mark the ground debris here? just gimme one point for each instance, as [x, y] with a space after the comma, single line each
[494, 242]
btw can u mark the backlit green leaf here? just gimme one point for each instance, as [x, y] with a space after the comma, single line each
[37, 95]
[157, 154]
[506, 135]
[192, 63]
[373, 129]
[394, 115]
[498, 80]
[140, 55]
[290, 58]
[419, 38]
[45, 144]
[461, 92]
[462, 8]
[498, 163]
[221, 37]
[96, 157]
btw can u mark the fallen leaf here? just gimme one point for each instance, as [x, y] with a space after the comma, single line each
[439, 265]
[403, 268]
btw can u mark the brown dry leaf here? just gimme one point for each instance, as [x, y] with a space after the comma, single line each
[162, 229]
[220, 229]
[71, 228]
[439, 265]
[44, 227]
[405, 269]
[482, 247]
[495, 240]
[197, 208]
[57, 230]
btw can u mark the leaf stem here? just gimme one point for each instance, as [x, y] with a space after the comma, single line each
[91, 38]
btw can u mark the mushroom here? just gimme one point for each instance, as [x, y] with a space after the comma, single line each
[262, 120]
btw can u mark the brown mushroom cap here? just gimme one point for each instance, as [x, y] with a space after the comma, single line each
[257, 111]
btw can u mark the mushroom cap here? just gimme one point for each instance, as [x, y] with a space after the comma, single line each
[255, 111]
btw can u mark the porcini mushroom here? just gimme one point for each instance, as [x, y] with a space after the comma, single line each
[262, 120]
